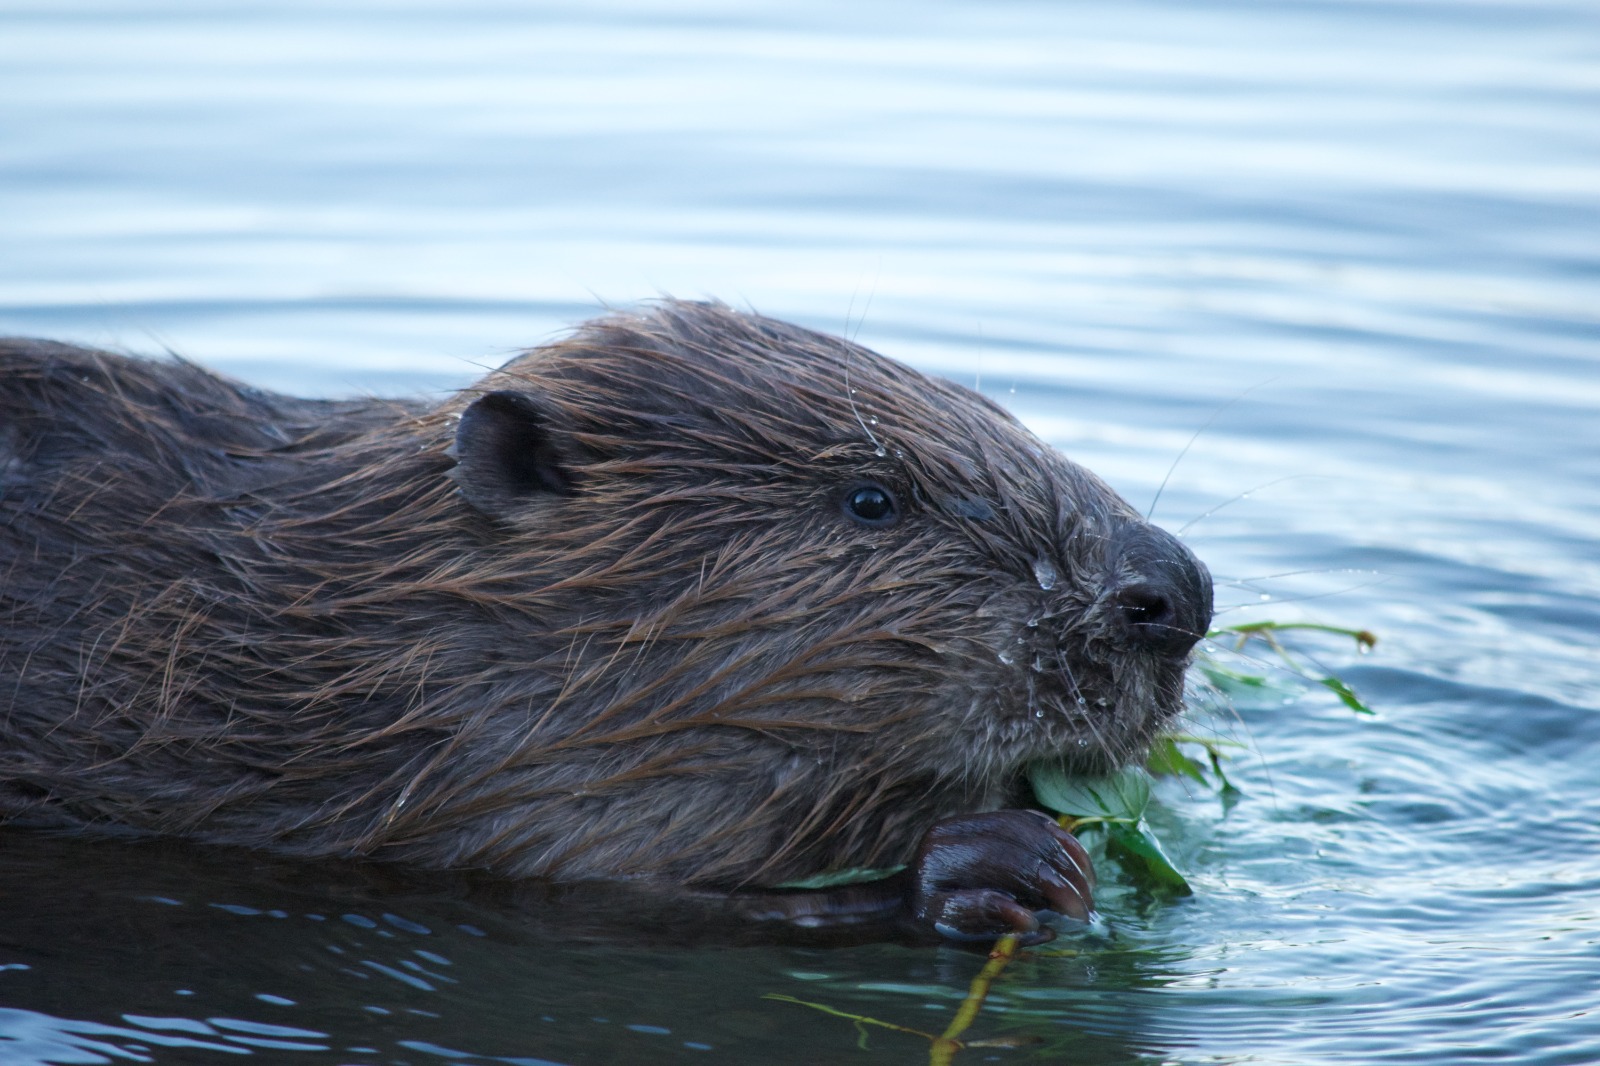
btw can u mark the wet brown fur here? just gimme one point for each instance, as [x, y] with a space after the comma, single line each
[237, 616]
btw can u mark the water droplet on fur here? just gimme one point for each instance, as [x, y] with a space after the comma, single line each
[1006, 657]
[1082, 702]
[1039, 713]
[1044, 572]
[880, 451]
[1033, 623]
[1038, 665]
[1102, 702]
[872, 420]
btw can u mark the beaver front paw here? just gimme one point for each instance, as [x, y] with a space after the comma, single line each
[979, 876]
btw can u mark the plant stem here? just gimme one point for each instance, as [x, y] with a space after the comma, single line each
[947, 1043]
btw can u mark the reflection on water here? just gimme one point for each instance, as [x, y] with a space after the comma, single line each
[1354, 242]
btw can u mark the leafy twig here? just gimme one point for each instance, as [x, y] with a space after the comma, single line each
[1266, 633]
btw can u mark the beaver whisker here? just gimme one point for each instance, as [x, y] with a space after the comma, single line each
[1245, 495]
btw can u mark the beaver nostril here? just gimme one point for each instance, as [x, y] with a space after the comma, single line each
[1144, 606]
[1150, 620]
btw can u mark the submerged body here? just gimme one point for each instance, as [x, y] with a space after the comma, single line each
[693, 596]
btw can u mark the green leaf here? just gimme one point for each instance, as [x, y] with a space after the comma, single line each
[1166, 759]
[854, 876]
[1121, 796]
[1242, 689]
[1214, 745]
[1229, 790]
[1346, 696]
[1229, 680]
[1140, 848]
[1114, 804]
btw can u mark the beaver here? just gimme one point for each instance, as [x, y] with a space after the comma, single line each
[692, 597]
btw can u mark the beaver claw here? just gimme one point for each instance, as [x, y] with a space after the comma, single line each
[979, 876]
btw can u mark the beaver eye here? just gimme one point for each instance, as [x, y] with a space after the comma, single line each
[871, 505]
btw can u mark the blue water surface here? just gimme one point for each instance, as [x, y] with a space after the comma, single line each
[1333, 266]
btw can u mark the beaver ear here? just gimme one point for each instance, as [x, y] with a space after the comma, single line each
[506, 456]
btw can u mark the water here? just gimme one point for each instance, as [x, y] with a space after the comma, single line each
[1356, 243]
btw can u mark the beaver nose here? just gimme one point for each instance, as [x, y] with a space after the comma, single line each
[1160, 593]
